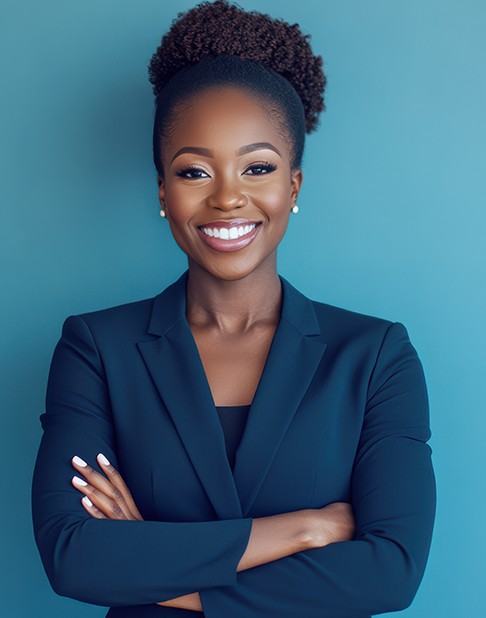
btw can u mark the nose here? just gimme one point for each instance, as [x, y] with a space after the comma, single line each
[227, 196]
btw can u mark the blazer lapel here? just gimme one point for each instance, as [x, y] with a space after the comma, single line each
[173, 360]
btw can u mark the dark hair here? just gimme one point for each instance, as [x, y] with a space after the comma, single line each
[218, 43]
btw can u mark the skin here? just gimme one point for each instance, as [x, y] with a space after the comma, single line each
[234, 297]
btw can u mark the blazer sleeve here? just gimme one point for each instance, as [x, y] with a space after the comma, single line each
[103, 561]
[394, 501]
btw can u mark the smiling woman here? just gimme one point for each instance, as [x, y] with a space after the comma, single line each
[243, 450]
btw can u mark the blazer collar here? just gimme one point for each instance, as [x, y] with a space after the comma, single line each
[173, 360]
[169, 307]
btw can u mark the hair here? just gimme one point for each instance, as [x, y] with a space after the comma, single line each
[218, 43]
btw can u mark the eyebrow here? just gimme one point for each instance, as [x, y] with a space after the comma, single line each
[207, 152]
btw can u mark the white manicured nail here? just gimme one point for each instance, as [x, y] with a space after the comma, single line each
[80, 462]
[78, 481]
[103, 459]
[87, 501]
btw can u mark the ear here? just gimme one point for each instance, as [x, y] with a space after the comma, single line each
[161, 185]
[296, 183]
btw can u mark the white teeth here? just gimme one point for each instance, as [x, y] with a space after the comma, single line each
[228, 233]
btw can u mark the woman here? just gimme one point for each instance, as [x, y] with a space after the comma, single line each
[237, 448]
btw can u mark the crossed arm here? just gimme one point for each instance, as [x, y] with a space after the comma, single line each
[120, 563]
[274, 537]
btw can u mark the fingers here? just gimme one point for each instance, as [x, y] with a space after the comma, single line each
[117, 481]
[92, 509]
[102, 494]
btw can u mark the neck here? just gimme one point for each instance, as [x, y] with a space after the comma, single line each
[233, 306]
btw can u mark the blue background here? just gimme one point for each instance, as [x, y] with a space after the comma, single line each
[391, 223]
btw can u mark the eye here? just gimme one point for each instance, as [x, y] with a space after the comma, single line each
[190, 169]
[267, 167]
[258, 169]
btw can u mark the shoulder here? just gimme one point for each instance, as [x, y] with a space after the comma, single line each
[363, 335]
[361, 340]
[346, 332]
[328, 318]
[122, 322]
[335, 324]
[359, 334]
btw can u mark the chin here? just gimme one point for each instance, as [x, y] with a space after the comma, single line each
[230, 272]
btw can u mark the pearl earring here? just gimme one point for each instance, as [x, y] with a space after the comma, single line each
[162, 211]
[295, 209]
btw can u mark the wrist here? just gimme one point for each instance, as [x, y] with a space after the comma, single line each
[312, 534]
[308, 534]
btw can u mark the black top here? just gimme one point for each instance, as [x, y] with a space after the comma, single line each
[233, 419]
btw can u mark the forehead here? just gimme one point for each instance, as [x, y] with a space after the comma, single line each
[223, 118]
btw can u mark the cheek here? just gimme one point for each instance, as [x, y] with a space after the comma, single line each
[275, 203]
[182, 204]
[182, 198]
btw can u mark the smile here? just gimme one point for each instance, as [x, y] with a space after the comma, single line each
[224, 237]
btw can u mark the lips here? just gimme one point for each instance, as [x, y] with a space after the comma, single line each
[229, 235]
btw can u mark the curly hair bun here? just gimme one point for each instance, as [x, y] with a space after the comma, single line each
[219, 27]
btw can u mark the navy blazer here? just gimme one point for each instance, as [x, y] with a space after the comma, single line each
[340, 414]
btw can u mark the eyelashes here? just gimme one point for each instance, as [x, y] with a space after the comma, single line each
[266, 166]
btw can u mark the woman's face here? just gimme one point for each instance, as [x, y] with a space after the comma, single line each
[228, 189]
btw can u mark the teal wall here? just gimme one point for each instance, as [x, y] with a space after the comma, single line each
[391, 223]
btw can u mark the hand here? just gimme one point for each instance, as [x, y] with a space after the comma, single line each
[110, 498]
[105, 498]
[331, 524]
